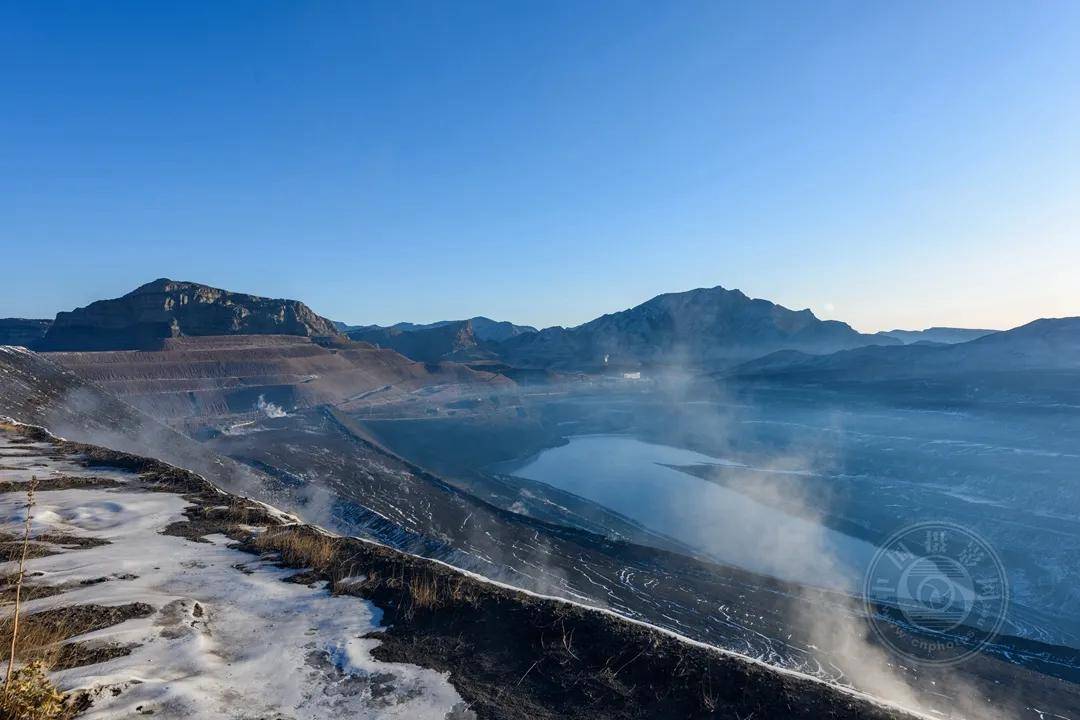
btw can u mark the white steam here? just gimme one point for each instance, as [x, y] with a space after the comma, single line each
[269, 409]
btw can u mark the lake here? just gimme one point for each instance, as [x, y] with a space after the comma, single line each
[629, 476]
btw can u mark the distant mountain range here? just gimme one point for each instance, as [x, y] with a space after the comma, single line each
[1047, 344]
[456, 341]
[484, 329]
[945, 335]
[167, 308]
[703, 328]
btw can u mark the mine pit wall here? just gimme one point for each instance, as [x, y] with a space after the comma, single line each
[37, 391]
[216, 376]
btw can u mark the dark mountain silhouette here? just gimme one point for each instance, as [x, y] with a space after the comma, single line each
[489, 330]
[1047, 344]
[708, 327]
[435, 343]
[484, 329]
[946, 335]
[21, 331]
[166, 308]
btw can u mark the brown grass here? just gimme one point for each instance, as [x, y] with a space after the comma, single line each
[31, 486]
[31, 696]
[37, 643]
[417, 588]
[28, 693]
[41, 637]
[241, 512]
[423, 593]
[298, 548]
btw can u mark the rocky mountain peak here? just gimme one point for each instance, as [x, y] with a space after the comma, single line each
[157, 286]
[168, 308]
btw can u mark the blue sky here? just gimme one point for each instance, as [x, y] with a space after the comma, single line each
[889, 164]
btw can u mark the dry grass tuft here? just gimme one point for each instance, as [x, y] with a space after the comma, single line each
[39, 641]
[423, 593]
[30, 695]
[43, 635]
[240, 511]
[30, 487]
[413, 588]
[301, 549]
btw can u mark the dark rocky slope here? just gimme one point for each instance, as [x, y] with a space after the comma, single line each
[166, 308]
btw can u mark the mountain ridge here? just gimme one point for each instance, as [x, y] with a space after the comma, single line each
[710, 327]
[25, 332]
[484, 328]
[938, 334]
[1043, 344]
[452, 341]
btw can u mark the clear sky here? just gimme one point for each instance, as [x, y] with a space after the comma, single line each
[891, 164]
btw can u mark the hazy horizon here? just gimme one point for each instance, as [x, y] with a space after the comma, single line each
[432, 318]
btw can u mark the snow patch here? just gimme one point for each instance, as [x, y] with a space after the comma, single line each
[228, 638]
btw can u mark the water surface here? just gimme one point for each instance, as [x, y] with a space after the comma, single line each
[629, 476]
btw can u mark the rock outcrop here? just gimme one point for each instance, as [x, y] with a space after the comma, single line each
[167, 308]
[23, 332]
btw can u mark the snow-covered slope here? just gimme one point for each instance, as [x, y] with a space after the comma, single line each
[225, 637]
